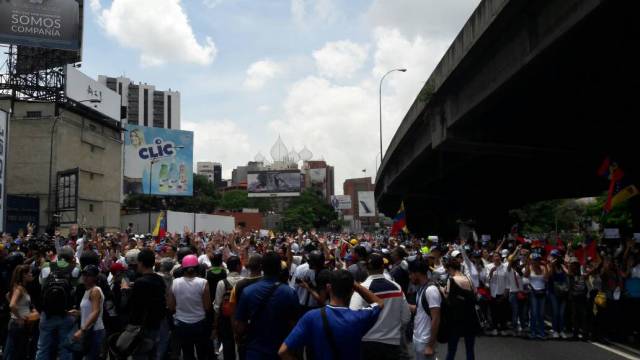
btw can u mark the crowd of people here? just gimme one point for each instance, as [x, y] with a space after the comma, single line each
[302, 295]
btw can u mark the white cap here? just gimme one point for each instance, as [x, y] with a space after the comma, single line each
[455, 253]
[504, 252]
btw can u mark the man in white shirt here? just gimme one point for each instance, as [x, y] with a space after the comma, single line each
[427, 309]
[222, 307]
[383, 341]
[496, 277]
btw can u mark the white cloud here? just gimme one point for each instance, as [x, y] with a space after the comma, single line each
[305, 12]
[260, 72]
[221, 141]
[264, 108]
[333, 121]
[159, 29]
[340, 59]
[429, 18]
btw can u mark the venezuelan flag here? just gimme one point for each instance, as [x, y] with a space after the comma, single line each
[399, 222]
[161, 226]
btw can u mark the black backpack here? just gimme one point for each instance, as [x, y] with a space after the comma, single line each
[57, 297]
[443, 328]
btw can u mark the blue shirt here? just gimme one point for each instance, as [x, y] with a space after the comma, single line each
[270, 325]
[348, 327]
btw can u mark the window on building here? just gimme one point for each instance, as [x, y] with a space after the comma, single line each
[169, 112]
[90, 207]
[119, 88]
[111, 83]
[34, 114]
[145, 108]
[133, 112]
[67, 190]
[158, 109]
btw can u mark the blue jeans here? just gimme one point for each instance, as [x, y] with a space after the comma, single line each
[17, 341]
[558, 306]
[537, 314]
[54, 331]
[469, 343]
[163, 339]
[96, 338]
[519, 311]
[418, 348]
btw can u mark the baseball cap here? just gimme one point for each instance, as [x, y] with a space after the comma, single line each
[354, 242]
[455, 253]
[536, 256]
[504, 253]
[555, 253]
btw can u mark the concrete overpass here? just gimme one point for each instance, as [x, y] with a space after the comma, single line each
[524, 106]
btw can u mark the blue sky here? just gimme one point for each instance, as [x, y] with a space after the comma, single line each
[250, 70]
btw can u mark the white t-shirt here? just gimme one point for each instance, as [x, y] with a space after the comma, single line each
[422, 322]
[188, 293]
[635, 271]
[303, 272]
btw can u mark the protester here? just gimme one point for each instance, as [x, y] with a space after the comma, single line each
[255, 274]
[58, 280]
[266, 312]
[461, 310]
[90, 333]
[331, 331]
[383, 340]
[223, 309]
[190, 299]
[537, 275]
[427, 311]
[22, 314]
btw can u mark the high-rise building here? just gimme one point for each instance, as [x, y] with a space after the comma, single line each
[212, 170]
[318, 175]
[146, 106]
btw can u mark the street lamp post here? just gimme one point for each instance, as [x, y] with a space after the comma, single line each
[380, 102]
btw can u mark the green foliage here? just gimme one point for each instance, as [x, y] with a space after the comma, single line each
[205, 199]
[619, 217]
[308, 211]
[541, 217]
[234, 200]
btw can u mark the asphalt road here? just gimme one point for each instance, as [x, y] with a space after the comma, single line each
[521, 349]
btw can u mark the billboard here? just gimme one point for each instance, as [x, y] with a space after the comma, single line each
[81, 88]
[53, 24]
[317, 176]
[366, 204]
[341, 202]
[33, 59]
[4, 124]
[273, 183]
[161, 155]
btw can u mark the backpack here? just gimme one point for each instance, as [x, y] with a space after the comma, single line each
[443, 330]
[57, 295]
[226, 304]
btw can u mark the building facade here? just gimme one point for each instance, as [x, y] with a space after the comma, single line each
[146, 106]
[318, 175]
[67, 158]
[212, 170]
[351, 188]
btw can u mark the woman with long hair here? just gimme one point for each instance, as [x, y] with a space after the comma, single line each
[191, 300]
[21, 314]
[461, 309]
[538, 277]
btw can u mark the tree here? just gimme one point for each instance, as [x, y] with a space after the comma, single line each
[205, 199]
[234, 200]
[307, 211]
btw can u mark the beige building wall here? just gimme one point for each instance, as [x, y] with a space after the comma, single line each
[90, 146]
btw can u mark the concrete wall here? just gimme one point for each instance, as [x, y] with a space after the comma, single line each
[78, 142]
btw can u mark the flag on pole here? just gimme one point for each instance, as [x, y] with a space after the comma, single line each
[618, 191]
[399, 222]
[161, 226]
